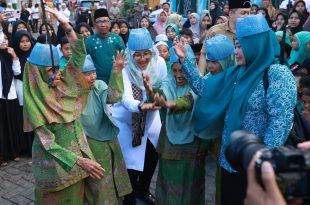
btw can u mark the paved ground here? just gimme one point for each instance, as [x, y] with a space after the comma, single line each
[17, 183]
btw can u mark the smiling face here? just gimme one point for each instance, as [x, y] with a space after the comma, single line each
[90, 78]
[144, 23]
[239, 54]
[163, 52]
[84, 32]
[178, 74]
[25, 44]
[171, 34]
[142, 58]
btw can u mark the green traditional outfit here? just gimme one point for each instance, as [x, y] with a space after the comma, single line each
[53, 114]
[101, 133]
[181, 153]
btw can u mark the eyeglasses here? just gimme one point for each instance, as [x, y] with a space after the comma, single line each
[101, 22]
[140, 56]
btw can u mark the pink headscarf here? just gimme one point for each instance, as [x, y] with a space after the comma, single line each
[160, 26]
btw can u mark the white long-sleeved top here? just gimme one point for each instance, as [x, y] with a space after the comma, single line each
[16, 71]
[122, 113]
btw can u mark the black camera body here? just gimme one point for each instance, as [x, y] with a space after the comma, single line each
[292, 166]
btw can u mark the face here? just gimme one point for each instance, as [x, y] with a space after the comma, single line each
[44, 30]
[265, 4]
[238, 13]
[226, 9]
[219, 21]
[178, 74]
[103, 25]
[116, 29]
[171, 34]
[166, 8]
[142, 58]
[90, 77]
[205, 22]
[123, 28]
[212, 5]
[280, 21]
[66, 50]
[295, 43]
[262, 12]
[144, 23]
[25, 44]
[21, 26]
[300, 7]
[239, 54]
[163, 17]
[84, 32]
[294, 20]
[214, 67]
[163, 51]
[305, 103]
[5, 43]
[254, 9]
[188, 39]
[192, 19]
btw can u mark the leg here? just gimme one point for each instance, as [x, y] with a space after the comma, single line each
[130, 199]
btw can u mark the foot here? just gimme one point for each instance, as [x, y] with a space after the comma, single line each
[3, 164]
[148, 199]
[16, 159]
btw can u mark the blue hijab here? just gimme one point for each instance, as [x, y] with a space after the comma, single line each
[227, 93]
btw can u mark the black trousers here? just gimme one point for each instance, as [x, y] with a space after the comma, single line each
[140, 181]
[233, 188]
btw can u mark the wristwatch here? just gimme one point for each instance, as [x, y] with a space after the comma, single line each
[139, 106]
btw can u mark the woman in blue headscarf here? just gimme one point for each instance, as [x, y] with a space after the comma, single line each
[236, 99]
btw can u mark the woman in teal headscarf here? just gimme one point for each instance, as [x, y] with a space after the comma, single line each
[181, 153]
[236, 98]
[299, 44]
[172, 31]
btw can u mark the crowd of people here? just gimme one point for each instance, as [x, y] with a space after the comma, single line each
[99, 105]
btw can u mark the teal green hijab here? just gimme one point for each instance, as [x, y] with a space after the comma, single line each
[302, 53]
[177, 31]
[227, 93]
[179, 127]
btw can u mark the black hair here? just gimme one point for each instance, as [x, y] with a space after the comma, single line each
[115, 23]
[63, 40]
[83, 24]
[186, 31]
[304, 82]
[165, 4]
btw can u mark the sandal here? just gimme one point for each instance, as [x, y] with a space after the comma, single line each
[16, 159]
[3, 164]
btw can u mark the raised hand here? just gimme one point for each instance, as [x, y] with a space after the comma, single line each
[57, 14]
[147, 83]
[119, 62]
[161, 101]
[94, 169]
[180, 48]
[12, 53]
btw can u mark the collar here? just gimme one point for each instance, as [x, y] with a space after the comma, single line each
[227, 28]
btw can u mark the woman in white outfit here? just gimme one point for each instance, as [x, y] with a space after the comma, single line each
[139, 121]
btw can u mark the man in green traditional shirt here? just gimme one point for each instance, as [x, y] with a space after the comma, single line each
[103, 45]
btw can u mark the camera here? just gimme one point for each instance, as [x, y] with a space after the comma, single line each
[292, 166]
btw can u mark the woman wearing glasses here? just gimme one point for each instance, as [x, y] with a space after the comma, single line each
[139, 121]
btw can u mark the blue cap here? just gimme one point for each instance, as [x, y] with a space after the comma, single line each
[218, 48]
[41, 55]
[140, 39]
[88, 65]
[251, 25]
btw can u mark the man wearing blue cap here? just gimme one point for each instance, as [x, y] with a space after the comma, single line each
[103, 45]
[101, 133]
[239, 99]
[238, 9]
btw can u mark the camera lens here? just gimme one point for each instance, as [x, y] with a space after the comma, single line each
[243, 145]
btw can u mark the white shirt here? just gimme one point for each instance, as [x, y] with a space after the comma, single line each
[35, 13]
[284, 3]
[65, 13]
[122, 113]
[16, 71]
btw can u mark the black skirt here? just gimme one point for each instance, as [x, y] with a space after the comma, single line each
[27, 137]
[10, 129]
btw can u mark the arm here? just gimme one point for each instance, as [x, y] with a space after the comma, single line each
[281, 100]
[16, 67]
[202, 65]
[115, 88]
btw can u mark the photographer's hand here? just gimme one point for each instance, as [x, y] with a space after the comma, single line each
[256, 195]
